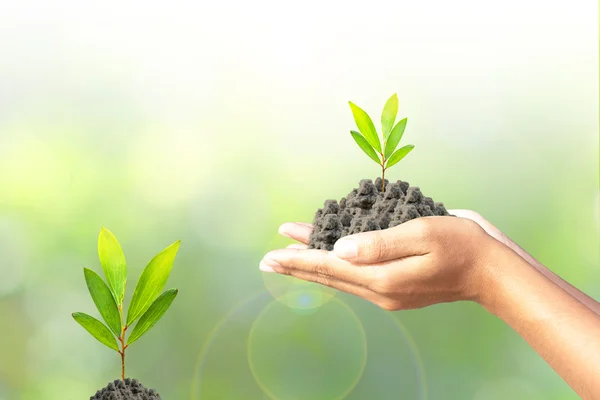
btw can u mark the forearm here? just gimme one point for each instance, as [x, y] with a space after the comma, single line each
[565, 332]
[572, 290]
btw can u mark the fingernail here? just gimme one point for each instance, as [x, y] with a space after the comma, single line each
[264, 267]
[282, 231]
[346, 248]
[268, 265]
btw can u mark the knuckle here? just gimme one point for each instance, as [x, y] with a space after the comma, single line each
[427, 232]
[382, 246]
[321, 280]
[376, 246]
[424, 227]
[382, 284]
[323, 270]
[472, 226]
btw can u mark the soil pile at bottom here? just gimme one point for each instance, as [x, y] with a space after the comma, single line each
[369, 208]
[129, 389]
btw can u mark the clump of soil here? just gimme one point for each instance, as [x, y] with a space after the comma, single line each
[369, 208]
[129, 389]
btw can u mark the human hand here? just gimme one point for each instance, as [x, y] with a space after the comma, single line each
[421, 262]
[440, 259]
[301, 231]
[487, 226]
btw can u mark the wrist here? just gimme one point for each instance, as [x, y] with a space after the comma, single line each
[492, 274]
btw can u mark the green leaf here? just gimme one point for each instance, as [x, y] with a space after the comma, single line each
[152, 315]
[365, 126]
[113, 264]
[152, 281]
[399, 155]
[105, 303]
[365, 146]
[97, 329]
[388, 116]
[394, 138]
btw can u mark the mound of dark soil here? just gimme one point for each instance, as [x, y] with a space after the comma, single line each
[129, 389]
[368, 208]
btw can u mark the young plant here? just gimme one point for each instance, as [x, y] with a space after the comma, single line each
[382, 151]
[146, 307]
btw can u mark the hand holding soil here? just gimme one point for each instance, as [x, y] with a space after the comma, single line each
[430, 260]
[421, 262]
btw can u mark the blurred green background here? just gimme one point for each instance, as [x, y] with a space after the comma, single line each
[214, 122]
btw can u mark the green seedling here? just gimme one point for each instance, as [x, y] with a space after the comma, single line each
[381, 150]
[147, 305]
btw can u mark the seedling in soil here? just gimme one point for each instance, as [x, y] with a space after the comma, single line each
[379, 204]
[382, 149]
[147, 305]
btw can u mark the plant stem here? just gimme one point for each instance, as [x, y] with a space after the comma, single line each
[383, 160]
[122, 365]
[122, 352]
[123, 345]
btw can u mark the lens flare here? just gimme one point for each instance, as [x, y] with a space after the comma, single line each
[321, 355]
[303, 297]
[276, 352]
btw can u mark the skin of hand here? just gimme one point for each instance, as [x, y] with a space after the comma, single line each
[443, 259]
[411, 266]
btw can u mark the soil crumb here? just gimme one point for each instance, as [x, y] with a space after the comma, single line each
[129, 389]
[368, 208]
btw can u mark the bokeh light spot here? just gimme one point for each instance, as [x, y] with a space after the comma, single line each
[296, 294]
[15, 250]
[321, 355]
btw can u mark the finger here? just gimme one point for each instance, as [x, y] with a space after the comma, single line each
[264, 267]
[297, 231]
[494, 232]
[347, 287]
[469, 214]
[319, 263]
[297, 246]
[476, 217]
[405, 240]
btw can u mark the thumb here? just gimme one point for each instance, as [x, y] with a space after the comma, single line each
[404, 240]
